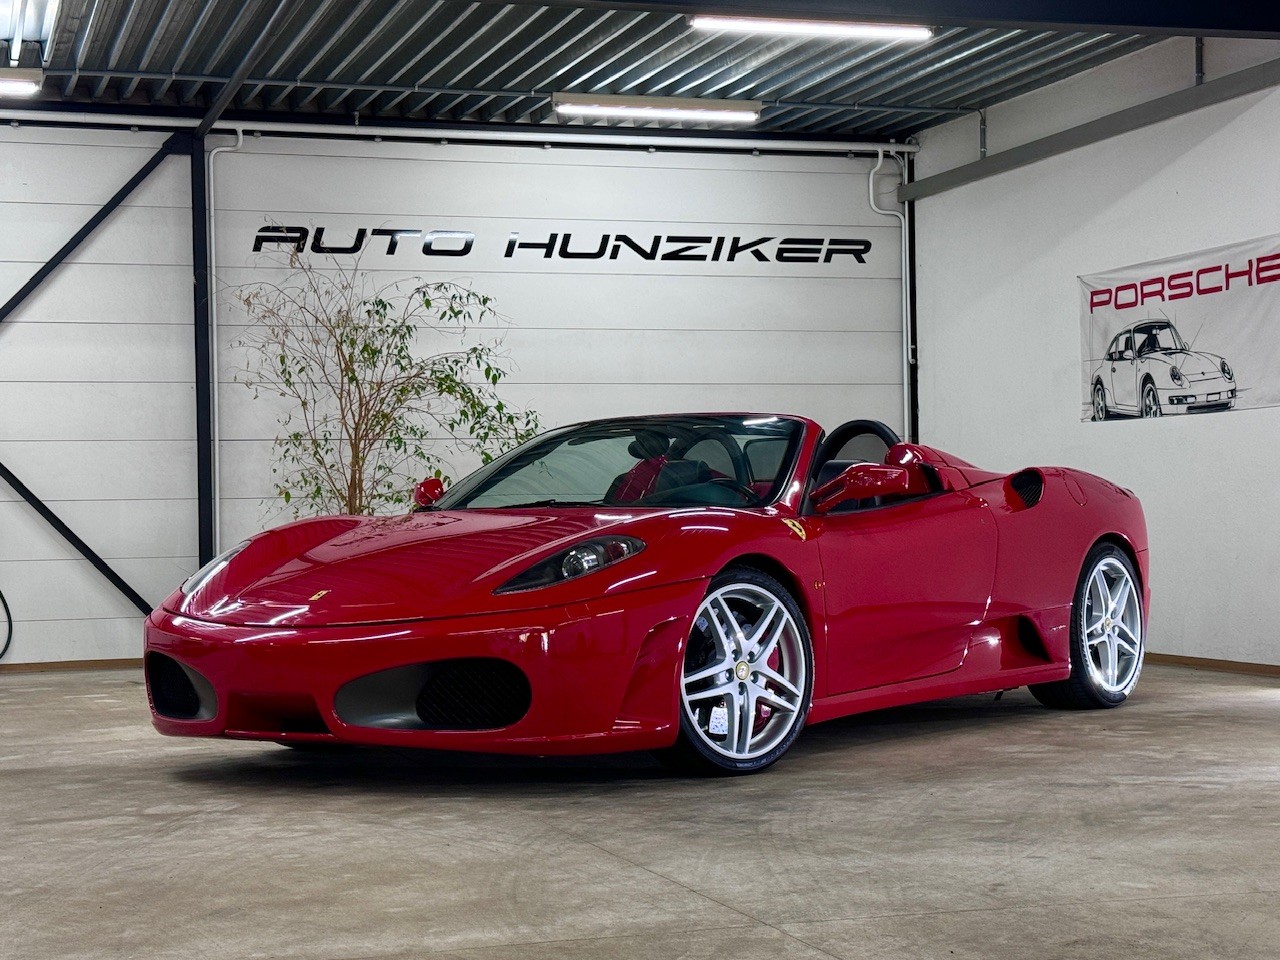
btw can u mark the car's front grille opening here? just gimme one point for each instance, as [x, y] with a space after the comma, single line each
[173, 689]
[473, 693]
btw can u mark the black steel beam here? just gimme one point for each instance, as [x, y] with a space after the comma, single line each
[1239, 84]
[1189, 18]
[104, 568]
[205, 453]
[68, 248]
[251, 58]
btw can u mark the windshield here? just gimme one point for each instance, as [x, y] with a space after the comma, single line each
[1154, 337]
[738, 461]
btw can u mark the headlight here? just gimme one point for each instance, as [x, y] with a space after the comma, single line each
[578, 561]
[210, 569]
[1175, 374]
[1226, 371]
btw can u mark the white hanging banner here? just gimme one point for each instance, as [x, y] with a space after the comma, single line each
[1196, 333]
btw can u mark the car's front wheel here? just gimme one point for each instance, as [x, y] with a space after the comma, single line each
[748, 677]
[1107, 642]
[1150, 400]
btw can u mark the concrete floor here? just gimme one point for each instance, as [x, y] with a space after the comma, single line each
[962, 829]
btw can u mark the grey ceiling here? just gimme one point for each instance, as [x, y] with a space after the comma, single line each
[498, 63]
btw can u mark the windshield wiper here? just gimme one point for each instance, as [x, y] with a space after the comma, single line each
[549, 503]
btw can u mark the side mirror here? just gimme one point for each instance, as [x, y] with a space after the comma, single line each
[861, 481]
[427, 492]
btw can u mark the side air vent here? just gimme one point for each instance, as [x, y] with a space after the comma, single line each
[1027, 486]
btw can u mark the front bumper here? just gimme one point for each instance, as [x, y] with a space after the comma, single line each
[603, 675]
[1198, 396]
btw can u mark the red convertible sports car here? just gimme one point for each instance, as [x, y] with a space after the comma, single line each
[701, 585]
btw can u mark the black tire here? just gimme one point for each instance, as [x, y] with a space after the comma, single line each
[1087, 687]
[692, 752]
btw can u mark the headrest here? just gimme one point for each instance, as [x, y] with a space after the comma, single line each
[648, 445]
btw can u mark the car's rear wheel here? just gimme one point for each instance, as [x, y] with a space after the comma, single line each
[748, 677]
[1150, 400]
[1107, 640]
[1099, 402]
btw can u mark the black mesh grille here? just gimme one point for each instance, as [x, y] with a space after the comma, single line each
[172, 692]
[1028, 485]
[477, 693]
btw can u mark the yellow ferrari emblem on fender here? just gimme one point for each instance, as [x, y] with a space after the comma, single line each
[317, 596]
[797, 528]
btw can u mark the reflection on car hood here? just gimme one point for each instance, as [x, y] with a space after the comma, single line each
[349, 570]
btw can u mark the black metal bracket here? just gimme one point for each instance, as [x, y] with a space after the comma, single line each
[104, 568]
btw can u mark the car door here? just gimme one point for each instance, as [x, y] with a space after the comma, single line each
[904, 584]
[1124, 375]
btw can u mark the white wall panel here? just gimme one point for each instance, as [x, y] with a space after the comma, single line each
[96, 394]
[86, 353]
[57, 411]
[115, 529]
[102, 470]
[103, 294]
[999, 342]
[100, 638]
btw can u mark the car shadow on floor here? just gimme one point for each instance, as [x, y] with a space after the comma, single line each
[272, 768]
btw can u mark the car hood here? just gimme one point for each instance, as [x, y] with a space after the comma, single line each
[337, 571]
[1191, 363]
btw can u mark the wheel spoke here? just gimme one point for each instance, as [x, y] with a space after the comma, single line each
[1095, 627]
[732, 716]
[746, 721]
[725, 665]
[753, 642]
[727, 638]
[1104, 592]
[1127, 647]
[722, 690]
[1109, 670]
[778, 680]
[1121, 625]
[764, 695]
[1121, 598]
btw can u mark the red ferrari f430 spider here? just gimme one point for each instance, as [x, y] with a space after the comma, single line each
[700, 585]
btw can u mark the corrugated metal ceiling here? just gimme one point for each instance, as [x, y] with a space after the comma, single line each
[455, 61]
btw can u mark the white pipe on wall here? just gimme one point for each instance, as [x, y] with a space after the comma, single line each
[213, 338]
[906, 285]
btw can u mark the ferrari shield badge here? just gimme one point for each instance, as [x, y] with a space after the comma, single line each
[796, 527]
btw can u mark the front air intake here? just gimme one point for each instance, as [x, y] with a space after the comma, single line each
[473, 693]
[177, 691]
[1027, 486]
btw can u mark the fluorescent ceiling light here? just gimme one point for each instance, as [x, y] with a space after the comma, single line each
[20, 83]
[694, 109]
[812, 28]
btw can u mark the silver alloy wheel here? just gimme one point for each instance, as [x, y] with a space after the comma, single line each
[1150, 401]
[1112, 627]
[745, 672]
[1099, 402]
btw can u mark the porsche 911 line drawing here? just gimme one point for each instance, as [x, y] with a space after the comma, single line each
[1149, 371]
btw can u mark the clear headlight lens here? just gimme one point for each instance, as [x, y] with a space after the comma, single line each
[1175, 374]
[578, 561]
[1226, 371]
[210, 569]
